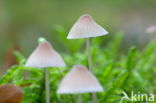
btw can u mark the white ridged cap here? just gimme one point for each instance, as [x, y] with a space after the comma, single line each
[44, 56]
[86, 27]
[79, 80]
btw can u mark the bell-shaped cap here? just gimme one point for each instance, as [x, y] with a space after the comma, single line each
[44, 56]
[79, 80]
[10, 94]
[86, 27]
[151, 29]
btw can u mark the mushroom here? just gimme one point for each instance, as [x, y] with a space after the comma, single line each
[151, 30]
[79, 80]
[10, 93]
[86, 27]
[45, 56]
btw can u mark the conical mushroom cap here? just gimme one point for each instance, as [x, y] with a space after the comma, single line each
[45, 56]
[86, 27]
[10, 94]
[79, 80]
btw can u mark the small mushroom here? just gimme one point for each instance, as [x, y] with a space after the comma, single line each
[151, 29]
[45, 56]
[86, 27]
[10, 93]
[79, 80]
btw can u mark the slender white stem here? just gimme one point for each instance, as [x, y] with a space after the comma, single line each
[153, 37]
[26, 74]
[154, 41]
[47, 85]
[89, 54]
[79, 98]
[94, 97]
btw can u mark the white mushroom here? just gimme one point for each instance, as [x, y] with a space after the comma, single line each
[151, 29]
[79, 80]
[86, 27]
[45, 56]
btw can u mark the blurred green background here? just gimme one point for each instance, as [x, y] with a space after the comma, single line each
[23, 21]
[124, 60]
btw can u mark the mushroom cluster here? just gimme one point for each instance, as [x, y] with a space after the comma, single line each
[80, 79]
[86, 27]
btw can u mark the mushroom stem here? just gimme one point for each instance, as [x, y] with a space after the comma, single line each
[47, 85]
[89, 54]
[94, 97]
[153, 36]
[154, 40]
[26, 74]
[79, 98]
